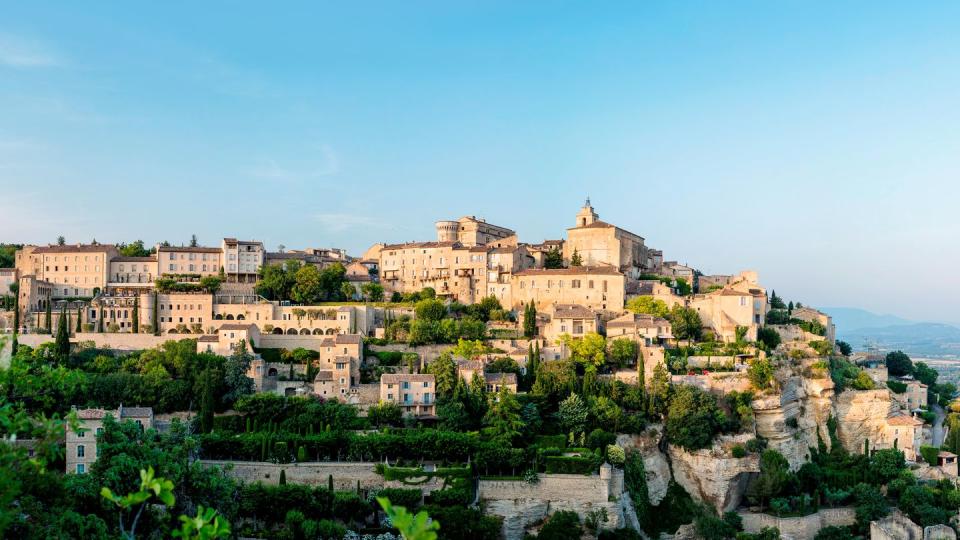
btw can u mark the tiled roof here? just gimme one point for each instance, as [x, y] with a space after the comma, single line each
[325, 375]
[348, 339]
[92, 414]
[421, 245]
[501, 378]
[637, 319]
[82, 248]
[188, 249]
[327, 342]
[208, 339]
[571, 271]
[400, 377]
[572, 311]
[344, 308]
[136, 412]
[236, 326]
[904, 420]
[134, 259]
[474, 365]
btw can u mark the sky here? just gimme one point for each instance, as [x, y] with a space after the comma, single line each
[814, 142]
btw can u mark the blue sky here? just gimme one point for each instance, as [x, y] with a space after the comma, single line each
[814, 142]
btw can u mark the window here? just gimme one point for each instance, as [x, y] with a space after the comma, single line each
[405, 385]
[81, 468]
[81, 432]
[80, 450]
[575, 284]
[426, 384]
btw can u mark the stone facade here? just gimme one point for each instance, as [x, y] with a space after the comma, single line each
[799, 528]
[345, 474]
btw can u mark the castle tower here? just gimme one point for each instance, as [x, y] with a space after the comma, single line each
[586, 215]
[448, 231]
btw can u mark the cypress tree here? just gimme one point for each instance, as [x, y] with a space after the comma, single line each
[100, 321]
[136, 315]
[79, 327]
[16, 322]
[49, 319]
[15, 345]
[263, 449]
[62, 343]
[283, 477]
[207, 402]
[330, 483]
[156, 321]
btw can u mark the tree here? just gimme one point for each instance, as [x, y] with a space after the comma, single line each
[332, 279]
[79, 327]
[445, 374]
[899, 364]
[925, 374]
[591, 349]
[562, 525]
[276, 280]
[773, 477]
[845, 348]
[648, 305]
[385, 414]
[307, 288]
[235, 373]
[572, 414]
[776, 302]
[411, 527]
[150, 486]
[769, 337]
[61, 240]
[211, 284]
[62, 343]
[155, 320]
[870, 505]
[530, 320]
[885, 465]
[686, 323]
[659, 389]
[624, 351]
[136, 315]
[760, 373]
[348, 291]
[430, 310]
[133, 249]
[373, 292]
[553, 259]
[576, 259]
[693, 418]
[193, 240]
[49, 318]
[503, 416]
[207, 400]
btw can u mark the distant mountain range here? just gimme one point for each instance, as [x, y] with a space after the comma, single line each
[862, 329]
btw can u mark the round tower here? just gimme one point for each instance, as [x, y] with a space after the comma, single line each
[447, 231]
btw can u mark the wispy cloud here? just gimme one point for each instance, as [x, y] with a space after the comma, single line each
[20, 52]
[324, 163]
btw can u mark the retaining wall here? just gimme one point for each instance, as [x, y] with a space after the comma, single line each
[799, 528]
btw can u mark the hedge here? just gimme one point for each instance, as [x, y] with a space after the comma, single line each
[930, 454]
[571, 465]
[388, 358]
[407, 498]
[897, 387]
[551, 441]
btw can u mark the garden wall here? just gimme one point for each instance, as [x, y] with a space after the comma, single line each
[799, 528]
[116, 342]
[345, 474]
[556, 487]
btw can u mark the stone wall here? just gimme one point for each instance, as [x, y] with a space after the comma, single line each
[799, 528]
[720, 382]
[117, 342]
[345, 474]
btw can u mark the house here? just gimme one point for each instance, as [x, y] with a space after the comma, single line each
[905, 433]
[642, 328]
[415, 393]
[496, 381]
[741, 304]
[227, 338]
[599, 288]
[571, 319]
[81, 443]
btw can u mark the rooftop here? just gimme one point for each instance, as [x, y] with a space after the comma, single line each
[74, 248]
[236, 326]
[572, 311]
[501, 378]
[401, 377]
[188, 249]
[571, 271]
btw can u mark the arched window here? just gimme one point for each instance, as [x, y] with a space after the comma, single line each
[230, 317]
[318, 331]
[305, 332]
[292, 332]
[278, 330]
[240, 317]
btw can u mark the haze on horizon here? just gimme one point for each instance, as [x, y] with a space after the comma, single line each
[815, 143]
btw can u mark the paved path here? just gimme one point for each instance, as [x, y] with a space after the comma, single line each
[938, 430]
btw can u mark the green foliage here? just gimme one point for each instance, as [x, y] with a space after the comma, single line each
[896, 387]
[686, 323]
[870, 505]
[899, 364]
[930, 454]
[693, 418]
[530, 320]
[572, 414]
[623, 352]
[738, 451]
[553, 259]
[769, 337]
[385, 414]
[430, 310]
[844, 348]
[562, 525]
[760, 373]
[417, 526]
[773, 477]
[591, 349]
[649, 306]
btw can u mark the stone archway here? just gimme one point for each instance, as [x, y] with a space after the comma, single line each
[331, 331]
[317, 331]
[278, 331]
[292, 332]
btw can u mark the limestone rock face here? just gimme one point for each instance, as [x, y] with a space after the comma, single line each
[519, 514]
[712, 476]
[654, 461]
[861, 415]
[792, 420]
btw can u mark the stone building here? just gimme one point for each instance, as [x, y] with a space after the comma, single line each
[600, 243]
[183, 263]
[81, 444]
[133, 271]
[642, 328]
[414, 392]
[242, 259]
[742, 303]
[471, 231]
[74, 270]
[599, 288]
[571, 319]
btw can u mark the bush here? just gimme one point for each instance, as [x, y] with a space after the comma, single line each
[562, 525]
[896, 387]
[738, 451]
[551, 441]
[930, 454]
[571, 464]
[407, 498]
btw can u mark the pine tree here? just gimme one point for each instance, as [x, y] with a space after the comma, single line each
[49, 319]
[576, 259]
[136, 315]
[79, 327]
[62, 343]
[207, 402]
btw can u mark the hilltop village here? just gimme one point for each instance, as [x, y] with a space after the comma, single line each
[579, 387]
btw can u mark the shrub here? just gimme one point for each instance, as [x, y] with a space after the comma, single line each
[562, 525]
[929, 454]
[738, 451]
[408, 498]
[571, 464]
[896, 387]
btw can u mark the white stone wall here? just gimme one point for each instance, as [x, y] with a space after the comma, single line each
[799, 528]
[118, 342]
[345, 474]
